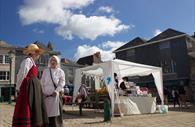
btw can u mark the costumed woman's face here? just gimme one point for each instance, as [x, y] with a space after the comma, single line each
[37, 55]
[53, 62]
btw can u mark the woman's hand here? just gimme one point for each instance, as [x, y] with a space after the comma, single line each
[54, 94]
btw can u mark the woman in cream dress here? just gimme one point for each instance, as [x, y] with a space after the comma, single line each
[53, 81]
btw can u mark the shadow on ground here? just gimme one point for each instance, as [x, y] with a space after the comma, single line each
[98, 122]
[74, 114]
[190, 108]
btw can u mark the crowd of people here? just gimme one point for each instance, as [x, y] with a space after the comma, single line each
[178, 95]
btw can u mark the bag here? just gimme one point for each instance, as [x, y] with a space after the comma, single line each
[60, 93]
[163, 109]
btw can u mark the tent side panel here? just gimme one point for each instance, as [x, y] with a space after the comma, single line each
[77, 83]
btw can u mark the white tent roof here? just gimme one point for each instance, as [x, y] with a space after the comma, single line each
[126, 68]
[122, 68]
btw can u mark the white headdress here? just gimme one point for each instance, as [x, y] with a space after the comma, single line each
[57, 59]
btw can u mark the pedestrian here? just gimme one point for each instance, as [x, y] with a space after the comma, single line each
[53, 82]
[82, 92]
[182, 96]
[66, 90]
[30, 110]
[116, 80]
[175, 96]
[123, 85]
[166, 93]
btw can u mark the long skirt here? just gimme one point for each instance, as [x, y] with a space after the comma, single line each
[57, 121]
[30, 110]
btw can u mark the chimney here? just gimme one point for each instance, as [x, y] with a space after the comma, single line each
[97, 57]
[66, 61]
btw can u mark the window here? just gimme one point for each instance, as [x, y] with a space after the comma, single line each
[43, 60]
[70, 71]
[164, 45]
[1, 58]
[4, 75]
[130, 53]
[168, 66]
[7, 75]
[4, 59]
[7, 59]
[40, 60]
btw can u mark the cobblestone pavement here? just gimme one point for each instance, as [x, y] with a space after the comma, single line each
[178, 117]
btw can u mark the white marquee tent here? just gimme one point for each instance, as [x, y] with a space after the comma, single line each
[122, 68]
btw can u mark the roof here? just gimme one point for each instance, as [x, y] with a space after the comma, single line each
[123, 68]
[87, 60]
[166, 34]
[4, 44]
[68, 62]
[91, 59]
[136, 41]
[193, 35]
[43, 46]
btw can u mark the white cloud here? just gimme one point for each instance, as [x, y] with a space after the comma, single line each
[157, 32]
[68, 24]
[106, 49]
[112, 45]
[106, 9]
[38, 31]
[90, 27]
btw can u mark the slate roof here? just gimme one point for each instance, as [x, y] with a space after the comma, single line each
[166, 34]
[87, 60]
[136, 41]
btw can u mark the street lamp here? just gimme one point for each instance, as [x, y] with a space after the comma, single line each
[11, 53]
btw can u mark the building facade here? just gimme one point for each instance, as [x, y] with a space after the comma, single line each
[7, 70]
[69, 68]
[17, 57]
[169, 50]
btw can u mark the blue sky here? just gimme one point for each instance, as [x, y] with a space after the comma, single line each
[82, 27]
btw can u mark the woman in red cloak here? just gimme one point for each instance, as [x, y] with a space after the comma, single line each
[30, 108]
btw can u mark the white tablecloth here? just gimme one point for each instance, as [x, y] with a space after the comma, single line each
[136, 105]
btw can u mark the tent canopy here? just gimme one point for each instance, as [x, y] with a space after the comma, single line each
[122, 68]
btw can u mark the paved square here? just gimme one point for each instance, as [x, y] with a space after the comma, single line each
[178, 117]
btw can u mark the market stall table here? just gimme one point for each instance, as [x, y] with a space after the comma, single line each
[136, 105]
